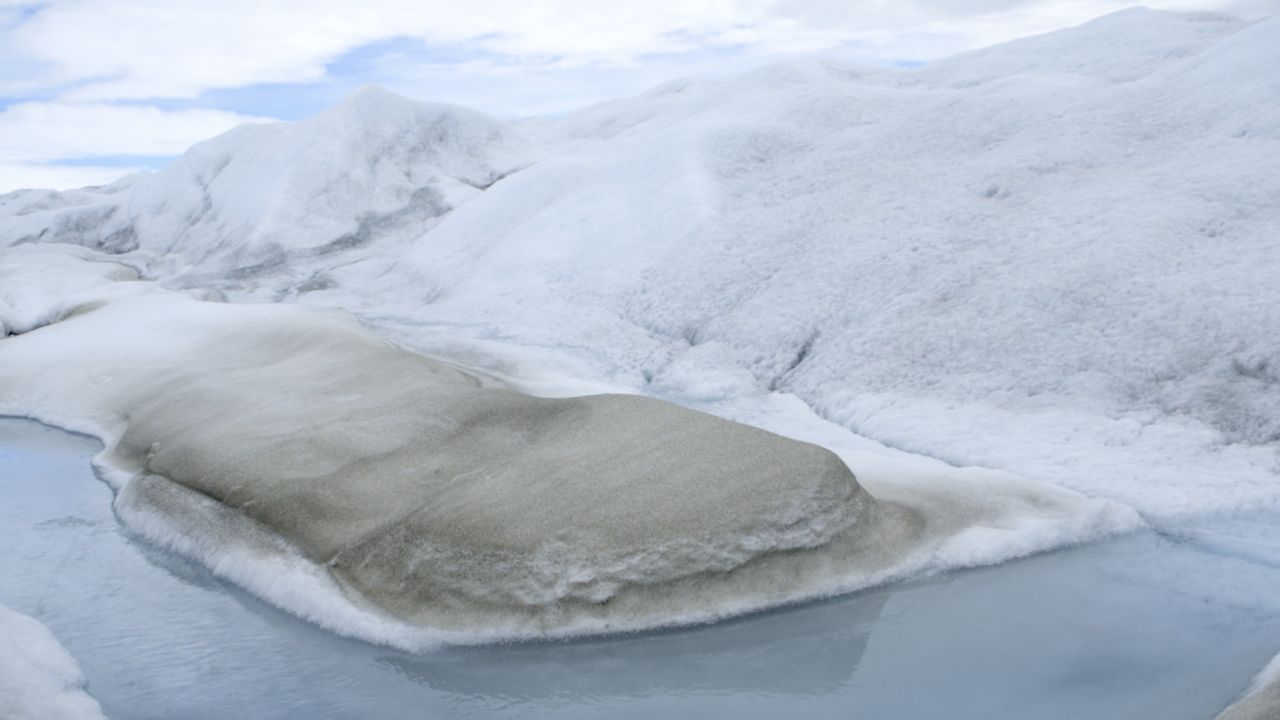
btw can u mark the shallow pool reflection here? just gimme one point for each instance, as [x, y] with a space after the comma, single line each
[1138, 627]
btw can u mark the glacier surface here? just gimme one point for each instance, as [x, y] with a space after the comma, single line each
[1057, 250]
[1050, 259]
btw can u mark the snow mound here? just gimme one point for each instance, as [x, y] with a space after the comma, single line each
[369, 488]
[261, 195]
[38, 679]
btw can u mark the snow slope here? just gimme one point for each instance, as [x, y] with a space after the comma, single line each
[38, 679]
[1013, 259]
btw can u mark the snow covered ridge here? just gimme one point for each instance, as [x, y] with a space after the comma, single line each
[388, 496]
[1060, 250]
[38, 679]
[261, 195]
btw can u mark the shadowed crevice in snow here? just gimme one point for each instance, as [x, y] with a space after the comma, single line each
[486, 184]
[801, 354]
[424, 205]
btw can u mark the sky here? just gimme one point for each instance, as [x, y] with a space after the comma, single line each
[94, 89]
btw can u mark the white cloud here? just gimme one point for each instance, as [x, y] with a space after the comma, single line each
[152, 48]
[34, 135]
[57, 177]
[40, 132]
[525, 57]
[177, 48]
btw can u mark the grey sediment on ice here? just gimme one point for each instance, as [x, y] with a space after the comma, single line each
[386, 495]
[1262, 701]
[462, 508]
[1263, 704]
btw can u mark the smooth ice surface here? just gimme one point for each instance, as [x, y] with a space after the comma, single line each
[1139, 627]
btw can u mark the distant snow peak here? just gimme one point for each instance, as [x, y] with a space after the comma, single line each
[260, 197]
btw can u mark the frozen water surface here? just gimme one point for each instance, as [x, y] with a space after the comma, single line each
[1143, 626]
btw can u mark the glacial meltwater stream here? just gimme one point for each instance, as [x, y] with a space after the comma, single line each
[1139, 627]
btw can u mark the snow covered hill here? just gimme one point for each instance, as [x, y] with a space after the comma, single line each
[1055, 257]
[1010, 259]
[254, 199]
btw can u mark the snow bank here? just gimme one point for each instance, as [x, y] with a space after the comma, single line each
[386, 495]
[38, 679]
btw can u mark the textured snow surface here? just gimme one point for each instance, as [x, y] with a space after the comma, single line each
[38, 679]
[1056, 273]
[386, 495]
[1051, 259]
